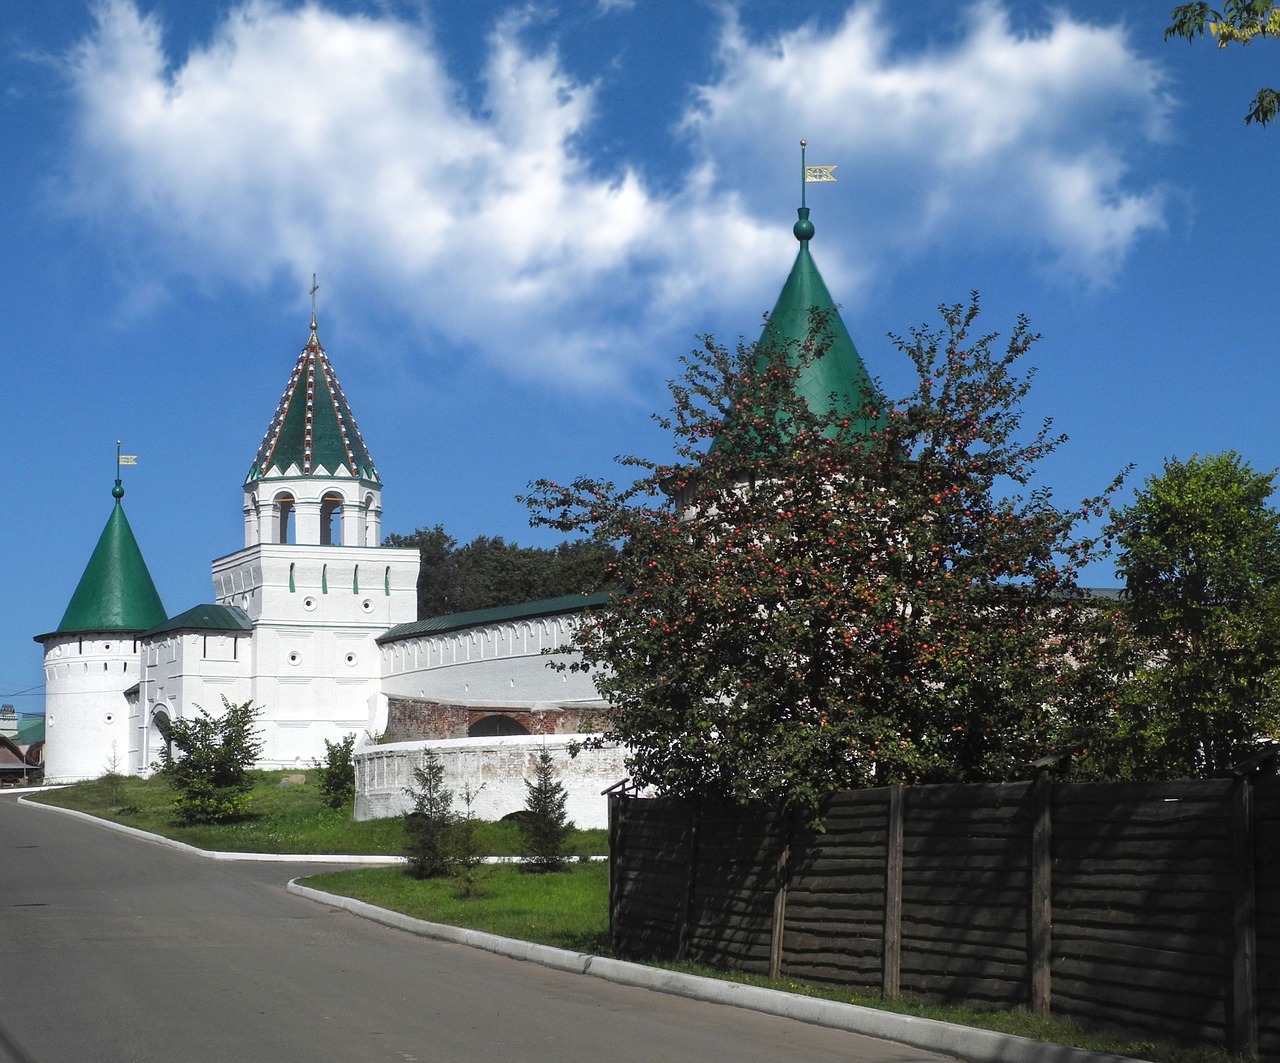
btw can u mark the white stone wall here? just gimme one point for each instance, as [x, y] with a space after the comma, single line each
[184, 672]
[86, 711]
[502, 664]
[373, 587]
[496, 767]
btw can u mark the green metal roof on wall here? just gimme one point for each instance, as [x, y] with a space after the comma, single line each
[837, 380]
[566, 603]
[30, 730]
[313, 428]
[205, 618]
[116, 592]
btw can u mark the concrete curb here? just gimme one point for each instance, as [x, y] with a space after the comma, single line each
[930, 1035]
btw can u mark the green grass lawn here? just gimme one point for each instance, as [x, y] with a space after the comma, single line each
[567, 909]
[293, 819]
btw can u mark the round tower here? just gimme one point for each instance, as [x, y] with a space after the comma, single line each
[91, 661]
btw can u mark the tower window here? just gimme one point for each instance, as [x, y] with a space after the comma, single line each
[331, 520]
[284, 518]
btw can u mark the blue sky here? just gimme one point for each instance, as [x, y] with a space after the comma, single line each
[521, 214]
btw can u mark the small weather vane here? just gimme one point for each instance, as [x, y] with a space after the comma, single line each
[812, 174]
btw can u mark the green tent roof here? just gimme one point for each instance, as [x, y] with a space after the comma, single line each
[836, 381]
[116, 592]
[313, 428]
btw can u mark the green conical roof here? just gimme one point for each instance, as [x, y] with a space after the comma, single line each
[116, 592]
[313, 429]
[836, 381]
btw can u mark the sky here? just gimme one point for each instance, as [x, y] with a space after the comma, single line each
[521, 215]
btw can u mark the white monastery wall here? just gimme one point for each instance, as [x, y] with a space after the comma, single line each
[495, 767]
[501, 664]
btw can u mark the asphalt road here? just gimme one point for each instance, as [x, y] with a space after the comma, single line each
[116, 949]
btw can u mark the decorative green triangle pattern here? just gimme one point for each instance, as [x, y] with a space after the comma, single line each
[313, 427]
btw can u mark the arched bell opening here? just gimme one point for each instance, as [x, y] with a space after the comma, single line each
[331, 519]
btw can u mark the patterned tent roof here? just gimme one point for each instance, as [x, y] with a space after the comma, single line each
[313, 431]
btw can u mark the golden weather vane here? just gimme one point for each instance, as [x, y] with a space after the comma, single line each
[812, 174]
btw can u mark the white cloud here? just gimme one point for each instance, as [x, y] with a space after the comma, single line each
[301, 139]
[1023, 133]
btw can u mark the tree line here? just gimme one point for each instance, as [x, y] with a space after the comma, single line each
[489, 571]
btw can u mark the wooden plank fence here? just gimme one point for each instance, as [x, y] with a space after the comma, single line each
[1152, 907]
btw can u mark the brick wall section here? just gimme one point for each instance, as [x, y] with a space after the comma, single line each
[414, 720]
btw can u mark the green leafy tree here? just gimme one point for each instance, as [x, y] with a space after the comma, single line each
[207, 760]
[337, 773]
[544, 827]
[822, 601]
[1200, 558]
[427, 825]
[1238, 22]
[440, 588]
[489, 571]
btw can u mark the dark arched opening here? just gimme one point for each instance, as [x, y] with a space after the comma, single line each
[496, 726]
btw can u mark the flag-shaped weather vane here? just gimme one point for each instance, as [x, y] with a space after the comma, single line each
[812, 174]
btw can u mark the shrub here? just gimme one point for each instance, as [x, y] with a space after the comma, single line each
[427, 825]
[337, 773]
[544, 825]
[463, 846]
[210, 770]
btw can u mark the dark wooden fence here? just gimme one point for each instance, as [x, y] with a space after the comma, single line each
[1152, 907]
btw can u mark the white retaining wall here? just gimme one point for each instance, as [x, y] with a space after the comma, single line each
[495, 767]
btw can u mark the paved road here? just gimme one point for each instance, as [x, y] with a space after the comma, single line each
[115, 949]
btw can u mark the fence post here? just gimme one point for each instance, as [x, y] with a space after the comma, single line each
[1040, 908]
[892, 962]
[780, 900]
[1244, 989]
[691, 883]
[615, 839]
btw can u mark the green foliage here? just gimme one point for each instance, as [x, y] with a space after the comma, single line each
[804, 609]
[338, 772]
[210, 770]
[466, 857]
[427, 825]
[545, 824]
[1239, 22]
[489, 571]
[1200, 557]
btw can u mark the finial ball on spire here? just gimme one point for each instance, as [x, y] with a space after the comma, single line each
[117, 492]
[804, 227]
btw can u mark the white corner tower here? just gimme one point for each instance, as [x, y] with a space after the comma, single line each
[92, 661]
